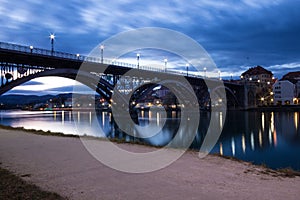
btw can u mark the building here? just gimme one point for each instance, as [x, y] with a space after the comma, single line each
[258, 74]
[284, 93]
[287, 90]
[294, 77]
[262, 80]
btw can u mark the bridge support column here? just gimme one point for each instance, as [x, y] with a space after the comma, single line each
[246, 100]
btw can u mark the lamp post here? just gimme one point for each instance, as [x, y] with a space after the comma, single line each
[187, 69]
[166, 62]
[138, 60]
[31, 48]
[204, 72]
[102, 49]
[52, 37]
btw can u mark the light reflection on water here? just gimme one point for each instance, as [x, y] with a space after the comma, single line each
[270, 138]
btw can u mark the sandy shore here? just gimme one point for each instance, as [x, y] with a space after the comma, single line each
[63, 165]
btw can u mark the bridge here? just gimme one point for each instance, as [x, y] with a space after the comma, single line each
[20, 64]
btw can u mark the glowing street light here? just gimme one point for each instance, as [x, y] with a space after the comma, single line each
[166, 62]
[102, 49]
[204, 71]
[138, 60]
[52, 37]
[31, 48]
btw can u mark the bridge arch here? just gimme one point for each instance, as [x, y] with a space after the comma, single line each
[231, 98]
[104, 88]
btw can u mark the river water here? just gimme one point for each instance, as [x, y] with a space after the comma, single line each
[269, 138]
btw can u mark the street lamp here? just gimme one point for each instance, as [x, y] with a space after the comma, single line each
[231, 76]
[204, 72]
[166, 62]
[138, 60]
[187, 69]
[52, 37]
[78, 55]
[31, 48]
[102, 49]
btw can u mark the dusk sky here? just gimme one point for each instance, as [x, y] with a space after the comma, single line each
[237, 34]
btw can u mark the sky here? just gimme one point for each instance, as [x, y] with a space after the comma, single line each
[236, 34]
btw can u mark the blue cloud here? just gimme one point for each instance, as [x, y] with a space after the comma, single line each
[237, 34]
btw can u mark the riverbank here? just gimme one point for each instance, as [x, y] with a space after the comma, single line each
[63, 165]
[14, 187]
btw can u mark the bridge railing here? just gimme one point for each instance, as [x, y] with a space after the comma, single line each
[45, 52]
[39, 51]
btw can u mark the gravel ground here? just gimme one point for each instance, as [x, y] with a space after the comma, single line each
[64, 166]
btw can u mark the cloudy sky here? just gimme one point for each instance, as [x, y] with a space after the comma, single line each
[236, 34]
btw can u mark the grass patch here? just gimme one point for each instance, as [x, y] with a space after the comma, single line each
[229, 158]
[288, 172]
[12, 187]
[285, 172]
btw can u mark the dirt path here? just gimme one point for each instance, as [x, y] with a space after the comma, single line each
[63, 165]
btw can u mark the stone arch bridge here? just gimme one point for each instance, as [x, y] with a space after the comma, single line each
[19, 64]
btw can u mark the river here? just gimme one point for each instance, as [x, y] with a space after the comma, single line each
[268, 138]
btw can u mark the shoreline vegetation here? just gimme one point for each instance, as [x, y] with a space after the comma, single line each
[12, 186]
[282, 172]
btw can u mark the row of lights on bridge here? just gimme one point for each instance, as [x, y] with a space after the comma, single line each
[52, 37]
[138, 55]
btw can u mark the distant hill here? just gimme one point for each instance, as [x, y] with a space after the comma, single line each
[10, 100]
[18, 101]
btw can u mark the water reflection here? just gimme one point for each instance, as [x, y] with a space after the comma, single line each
[271, 138]
[263, 138]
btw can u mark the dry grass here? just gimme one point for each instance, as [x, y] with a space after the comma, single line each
[13, 187]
